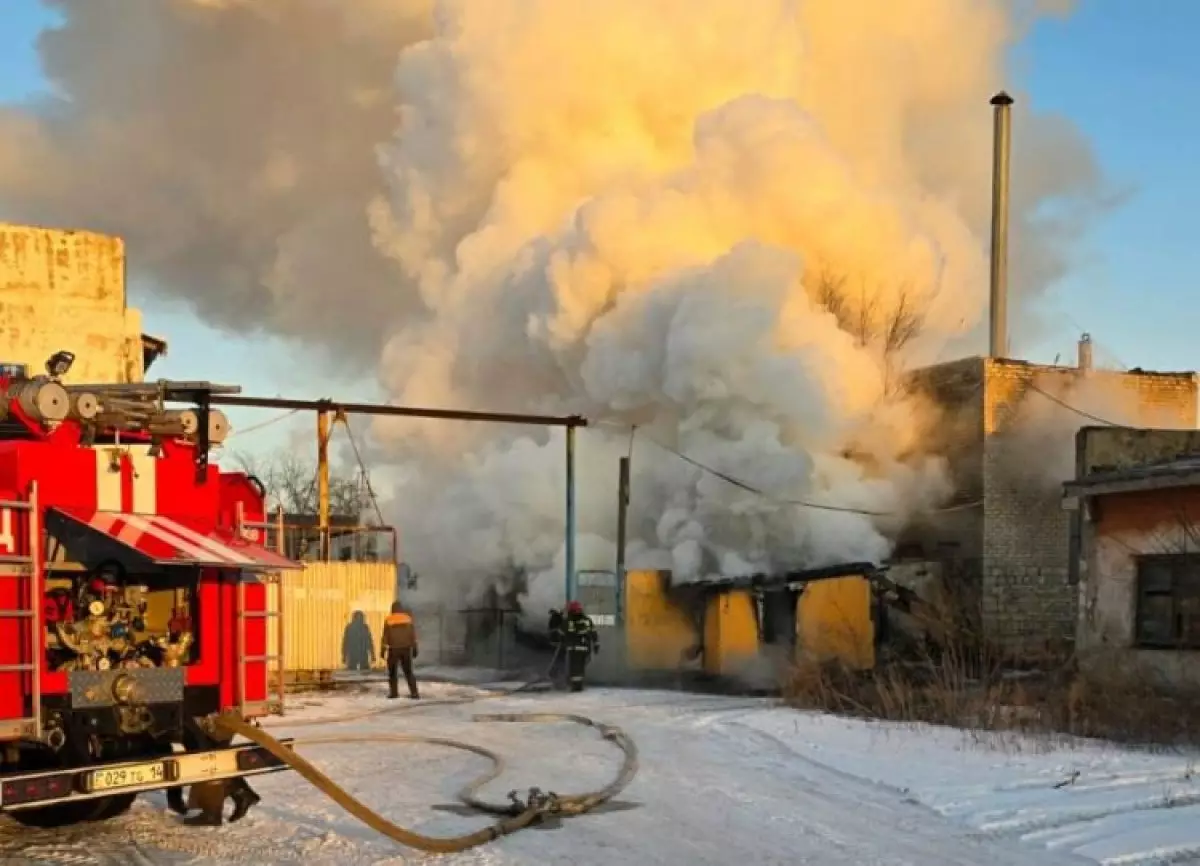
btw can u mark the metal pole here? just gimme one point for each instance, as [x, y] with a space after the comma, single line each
[397, 411]
[570, 540]
[622, 515]
[323, 484]
[1001, 146]
[280, 620]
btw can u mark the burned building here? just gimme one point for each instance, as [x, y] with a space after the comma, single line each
[1007, 429]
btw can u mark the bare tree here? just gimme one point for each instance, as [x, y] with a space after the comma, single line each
[887, 328]
[291, 482]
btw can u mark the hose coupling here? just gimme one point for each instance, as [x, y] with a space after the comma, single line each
[537, 800]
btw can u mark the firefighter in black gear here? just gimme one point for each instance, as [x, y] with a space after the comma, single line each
[557, 663]
[580, 642]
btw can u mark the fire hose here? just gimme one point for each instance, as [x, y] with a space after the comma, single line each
[517, 813]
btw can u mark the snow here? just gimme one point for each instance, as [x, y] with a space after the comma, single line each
[721, 780]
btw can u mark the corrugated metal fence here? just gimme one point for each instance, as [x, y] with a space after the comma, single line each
[319, 607]
[321, 623]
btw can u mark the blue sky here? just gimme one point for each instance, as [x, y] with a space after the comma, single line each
[1127, 73]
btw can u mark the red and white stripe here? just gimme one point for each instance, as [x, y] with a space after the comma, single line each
[144, 485]
[170, 542]
[109, 479]
[133, 487]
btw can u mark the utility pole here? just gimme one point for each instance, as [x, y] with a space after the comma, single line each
[622, 516]
[323, 484]
[570, 539]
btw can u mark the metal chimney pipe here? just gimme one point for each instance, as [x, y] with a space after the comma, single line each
[1001, 146]
[1085, 352]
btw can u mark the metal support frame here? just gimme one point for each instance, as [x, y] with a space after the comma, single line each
[570, 422]
[203, 445]
[281, 682]
[396, 411]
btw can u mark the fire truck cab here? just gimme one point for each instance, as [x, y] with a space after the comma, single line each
[135, 598]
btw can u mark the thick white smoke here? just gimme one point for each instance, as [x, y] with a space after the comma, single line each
[732, 225]
[649, 213]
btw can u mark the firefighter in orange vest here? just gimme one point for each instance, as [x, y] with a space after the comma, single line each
[399, 647]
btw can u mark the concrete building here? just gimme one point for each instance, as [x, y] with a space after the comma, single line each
[1007, 428]
[66, 290]
[1137, 505]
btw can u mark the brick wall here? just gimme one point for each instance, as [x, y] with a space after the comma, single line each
[952, 540]
[1112, 448]
[953, 429]
[1029, 597]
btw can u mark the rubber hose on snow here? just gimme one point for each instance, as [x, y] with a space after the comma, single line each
[519, 815]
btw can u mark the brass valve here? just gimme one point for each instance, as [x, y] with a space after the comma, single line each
[124, 689]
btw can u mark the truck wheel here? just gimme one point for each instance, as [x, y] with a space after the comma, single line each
[59, 815]
[65, 814]
[112, 807]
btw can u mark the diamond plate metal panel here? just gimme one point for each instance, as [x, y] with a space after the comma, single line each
[597, 591]
[94, 689]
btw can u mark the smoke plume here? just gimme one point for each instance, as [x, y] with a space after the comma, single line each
[731, 225]
[232, 144]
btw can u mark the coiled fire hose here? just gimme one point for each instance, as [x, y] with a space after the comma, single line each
[518, 813]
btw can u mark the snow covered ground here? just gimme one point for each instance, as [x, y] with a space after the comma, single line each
[722, 780]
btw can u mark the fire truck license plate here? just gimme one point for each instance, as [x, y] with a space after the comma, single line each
[128, 777]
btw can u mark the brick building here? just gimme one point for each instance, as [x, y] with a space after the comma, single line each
[1007, 428]
[66, 290]
[1137, 504]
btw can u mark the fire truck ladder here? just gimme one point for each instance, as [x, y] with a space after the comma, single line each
[273, 584]
[24, 567]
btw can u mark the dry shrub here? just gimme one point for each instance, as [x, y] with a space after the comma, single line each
[964, 686]
[1125, 705]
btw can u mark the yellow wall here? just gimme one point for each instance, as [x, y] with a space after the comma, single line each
[731, 635]
[833, 621]
[318, 603]
[657, 633]
[66, 290]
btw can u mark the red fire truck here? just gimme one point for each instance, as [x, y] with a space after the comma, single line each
[135, 598]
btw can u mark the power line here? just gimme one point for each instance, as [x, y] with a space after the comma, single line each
[737, 482]
[1071, 408]
[800, 503]
[820, 506]
[363, 469]
[253, 427]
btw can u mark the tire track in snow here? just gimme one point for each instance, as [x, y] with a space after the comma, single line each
[1063, 825]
